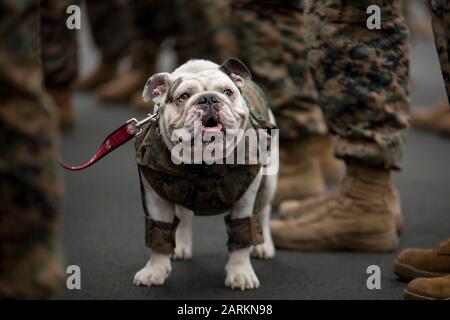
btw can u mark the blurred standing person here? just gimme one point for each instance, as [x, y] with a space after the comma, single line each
[199, 23]
[153, 22]
[441, 27]
[222, 36]
[429, 269]
[190, 29]
[417, 18]
[191, 24]
[59, 57]
[437, 118]
[30, 181]
[434, 118]
[362, 78]
[272, 42]
[110, 24]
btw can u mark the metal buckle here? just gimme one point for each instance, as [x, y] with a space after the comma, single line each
[135, 123]
[138, 124]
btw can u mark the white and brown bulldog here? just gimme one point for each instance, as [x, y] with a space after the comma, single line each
[190, 164]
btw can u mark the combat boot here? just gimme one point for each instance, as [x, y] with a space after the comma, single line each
[300, 174]
[104, 72]
[311, 206]
[423, 263]
[358, 215]
[443, 125]
[124, 86]
[332, 168]
[421, 28]
[427, 118]
[62, 98]
[428, 289]
[138, 103]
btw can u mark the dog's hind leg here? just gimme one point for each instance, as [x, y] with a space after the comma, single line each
[266, 250]
[183, 237]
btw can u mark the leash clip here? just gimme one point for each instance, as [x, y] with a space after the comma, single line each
[137, 125]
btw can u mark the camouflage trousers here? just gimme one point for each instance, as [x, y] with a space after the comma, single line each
[198, 22]
[110, 22]
[322, 68]
[153, 22]
[30, 184]
[194, 25]
[272, 42]
[59, 44]
[362, 77]
[441, 27]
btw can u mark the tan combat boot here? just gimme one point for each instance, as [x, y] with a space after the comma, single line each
[333, 169]
[300, 175]
[124, 86]
[138, 103]
[423, 263]
[358, 215]
[103, 73]
[427, 118]
[63, 101]
[421, 28]
[293, 209]
[443, 125]
[428, 289]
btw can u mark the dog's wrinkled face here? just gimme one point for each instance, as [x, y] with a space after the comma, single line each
[201, 101]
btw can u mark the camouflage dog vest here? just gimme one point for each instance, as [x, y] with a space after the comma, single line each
[204, 189]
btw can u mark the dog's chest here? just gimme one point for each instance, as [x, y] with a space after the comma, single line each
[204, 189]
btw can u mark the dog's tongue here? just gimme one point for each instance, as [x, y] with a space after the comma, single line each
[216, 128]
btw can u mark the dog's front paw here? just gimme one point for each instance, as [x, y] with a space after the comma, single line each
[241, 277]
[152, 275]
[265, 250]
[182, 252]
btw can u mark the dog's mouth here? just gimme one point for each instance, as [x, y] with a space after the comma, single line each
[211, 124]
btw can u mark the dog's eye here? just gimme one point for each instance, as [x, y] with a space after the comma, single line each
[184, 97]
[228, 92]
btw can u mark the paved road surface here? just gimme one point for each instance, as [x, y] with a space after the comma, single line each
[104, 231]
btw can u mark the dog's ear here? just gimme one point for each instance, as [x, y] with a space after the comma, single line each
[237, 71]
[156, 88]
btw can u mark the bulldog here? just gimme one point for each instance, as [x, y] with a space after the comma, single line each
[189, 164]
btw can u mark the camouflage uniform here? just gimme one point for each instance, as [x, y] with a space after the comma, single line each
[110, 22]
[59, 45]
[362, 77]
[204, 189]
[153, 22]
[441, 27]
[30, 184]
[272, 39]
[222, 32]
[193, 24]
[192, 34]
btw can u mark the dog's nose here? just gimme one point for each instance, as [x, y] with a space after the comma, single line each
[208, 100]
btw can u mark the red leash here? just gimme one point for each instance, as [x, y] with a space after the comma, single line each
[126, 132]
